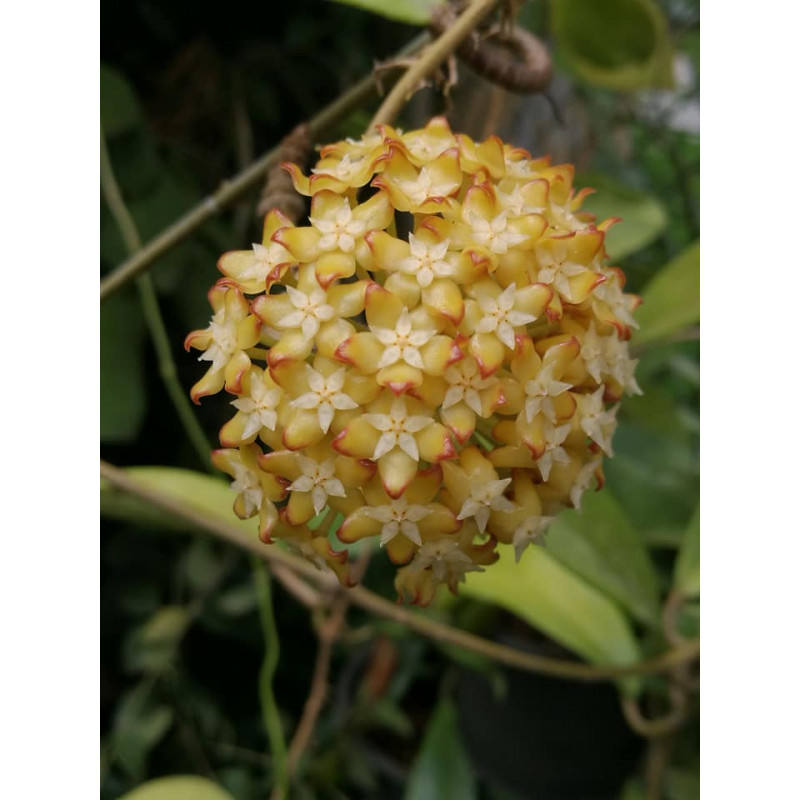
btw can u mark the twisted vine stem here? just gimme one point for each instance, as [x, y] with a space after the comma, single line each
[685, 652]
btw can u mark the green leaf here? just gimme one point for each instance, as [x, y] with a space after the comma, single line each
[178, 787]
[655, 476]
[238, 600]
[687, 567]
[550, 597]
[442, 770]
[201, 565]
[153, 646]
[385, 713]
[617, 44]
[671, 300]
[414, 12]
[644, 218]
[204, 493]
[122, 394]
[139, 725]
[601, 545]
[119, 108]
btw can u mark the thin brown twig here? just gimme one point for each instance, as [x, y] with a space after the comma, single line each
[151, 309]
[328, 633]
[430, 59]
[659, 752]
[670, 615]
[301, 591]
[426, 626]
[660, 726]
[234, 187]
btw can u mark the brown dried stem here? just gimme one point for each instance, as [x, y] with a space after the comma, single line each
[431, 58]
[515, 59]
[278, 189]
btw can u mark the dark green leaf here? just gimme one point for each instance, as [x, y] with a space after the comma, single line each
[442, 770]
[414, 12]
[385, 713]
[119, 109]
[139, 725]
[122, 392]
[617, 44]
[238, 600]
[153, 646]
[671, 300]
[655, 478]
[600, 544]
[201, 565]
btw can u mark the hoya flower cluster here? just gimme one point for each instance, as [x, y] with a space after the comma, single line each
[436, 357]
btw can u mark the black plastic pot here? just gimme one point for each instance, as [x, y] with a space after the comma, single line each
[547, 738]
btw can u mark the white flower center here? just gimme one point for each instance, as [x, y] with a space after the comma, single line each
[540, 391]
[493, 233]
[426, 262]
[445, 559]
[311, 310]
[465, 384]
[483, 500]
[403, 342]
[500, 318]
[319, 479]
[397, 429]
[399, 518]
[260, 407]
[247, 483]
[264, 261]
[224, 335]
[325, 395]
[340, 232]
[344, 170]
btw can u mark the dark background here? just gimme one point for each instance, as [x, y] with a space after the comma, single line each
[189, 95]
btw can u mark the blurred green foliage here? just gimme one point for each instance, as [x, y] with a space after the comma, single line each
[189, 94]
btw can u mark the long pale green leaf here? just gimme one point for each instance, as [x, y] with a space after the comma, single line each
[601, 545]
[204, 493]
[551, 597]
[687, 567]
[414, 12]
[442, 770]
[178, 787]
[616, 44]
[671, 300]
